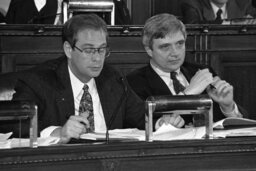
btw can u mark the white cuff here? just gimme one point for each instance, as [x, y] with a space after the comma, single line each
[47, 131]
[234, 113]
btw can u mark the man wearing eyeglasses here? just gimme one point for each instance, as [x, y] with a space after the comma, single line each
[78, 93]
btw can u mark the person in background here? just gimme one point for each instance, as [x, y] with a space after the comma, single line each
[218, 12]
[2, 18]
[254, 3]
[164, 38]
[34, 12]
[122, 15]
[79, 93]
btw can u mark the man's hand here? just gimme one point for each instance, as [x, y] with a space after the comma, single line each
[223, 94]
[73, 128]
[175, 120]
[199, 82]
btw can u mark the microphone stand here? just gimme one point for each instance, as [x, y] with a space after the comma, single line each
[116, 110]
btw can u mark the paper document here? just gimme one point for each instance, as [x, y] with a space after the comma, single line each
[242, 132]
[24, 142]
[164, 133]
[4, 137]
[121, 134]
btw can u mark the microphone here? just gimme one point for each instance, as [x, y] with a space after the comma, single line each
[37, 18]
[113, 116]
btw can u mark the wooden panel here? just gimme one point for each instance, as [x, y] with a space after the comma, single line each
[216, 154]
[141, 11]
[167, 6]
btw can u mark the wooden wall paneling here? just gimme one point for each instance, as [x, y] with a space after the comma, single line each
[141, 11]
[166, 6]
[239, 70]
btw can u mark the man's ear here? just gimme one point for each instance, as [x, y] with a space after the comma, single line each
[148, 50]
[67, 49]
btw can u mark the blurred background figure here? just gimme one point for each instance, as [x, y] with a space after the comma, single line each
[2, 18]
[254, 3]
[50, 12]
[122, 15]
[218, 12]
[33, 12]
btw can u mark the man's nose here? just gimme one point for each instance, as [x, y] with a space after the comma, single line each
[96, 56]
[173, 51]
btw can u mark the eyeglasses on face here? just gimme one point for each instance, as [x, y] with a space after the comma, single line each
[103, 51]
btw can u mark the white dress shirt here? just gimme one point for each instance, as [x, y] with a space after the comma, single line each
[77, 88]
[165, 76]
[39, 4]
[224, 14]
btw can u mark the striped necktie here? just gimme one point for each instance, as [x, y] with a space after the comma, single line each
[178, 87]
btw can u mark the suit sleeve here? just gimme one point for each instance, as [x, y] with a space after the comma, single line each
[190, 13]
[25, 89]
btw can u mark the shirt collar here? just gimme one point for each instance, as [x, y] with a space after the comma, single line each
[161, 72]
[77, 85]
[216, 8]
[39, 4]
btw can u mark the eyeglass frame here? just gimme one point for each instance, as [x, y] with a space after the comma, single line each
[107, 53]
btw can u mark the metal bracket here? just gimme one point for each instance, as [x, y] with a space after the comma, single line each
[184, 105]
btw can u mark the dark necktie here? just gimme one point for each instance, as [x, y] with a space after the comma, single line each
[178, 87]
[86, 106]
[218, 16]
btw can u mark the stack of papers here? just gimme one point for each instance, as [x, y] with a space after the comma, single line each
[221, 129]
[116, 134]
[240, 127]
[164, 133]
[6, 143]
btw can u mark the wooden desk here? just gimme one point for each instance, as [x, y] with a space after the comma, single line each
[219, 154]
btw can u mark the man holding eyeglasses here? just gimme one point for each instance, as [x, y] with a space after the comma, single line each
[78, 93]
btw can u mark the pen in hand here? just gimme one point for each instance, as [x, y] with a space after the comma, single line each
[212, 87]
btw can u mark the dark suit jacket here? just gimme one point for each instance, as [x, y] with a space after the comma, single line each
[200, 11]
[50, 87]
[25, 12]
[146, 82]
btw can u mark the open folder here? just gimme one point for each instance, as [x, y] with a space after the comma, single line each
[233, 122]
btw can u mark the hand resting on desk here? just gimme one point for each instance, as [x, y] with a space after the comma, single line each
[73, 128]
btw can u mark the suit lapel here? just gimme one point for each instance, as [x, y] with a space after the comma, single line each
[64, 94]
[233, 10]
[188, 74]
[109, 93]
[156, 83]
[207, 11]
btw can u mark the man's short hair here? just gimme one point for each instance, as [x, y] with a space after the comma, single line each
[159, 26]
[81, 22]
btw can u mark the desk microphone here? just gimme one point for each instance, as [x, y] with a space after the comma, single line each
[117, 108]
